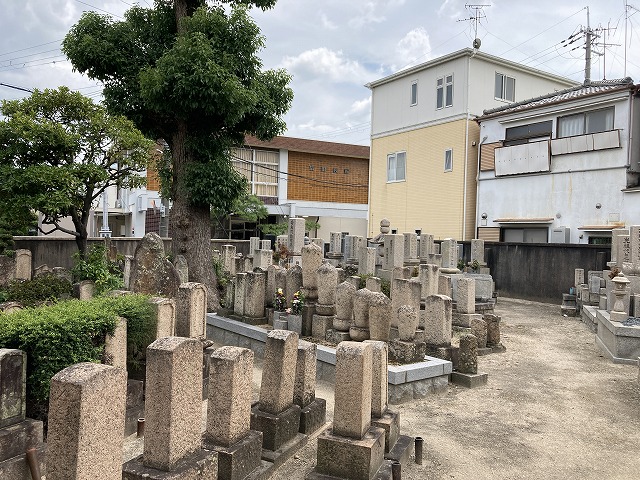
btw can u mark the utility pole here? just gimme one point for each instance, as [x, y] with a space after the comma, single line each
[587, 57]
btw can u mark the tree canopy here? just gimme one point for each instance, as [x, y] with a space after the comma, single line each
[59, 152]
[188, 72]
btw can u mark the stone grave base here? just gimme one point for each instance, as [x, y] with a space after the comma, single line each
[499, 348]
[239, 460]
[620, 343]
[464, 319]
[588, 317]
[286, 451]
[313, 416]
[407, 352]
[484, 351]
[390, 422]
[402, 450]
[320, 325]
[276, 429]
[469, 380]
[295, 323]
[325, 309]
[249, 320]
[359, 334]
[17, 467]
[406, 382]
[336, 336]
[135, 406]
[281, 324]
[202, 465]
[350, 458]
[15, 440]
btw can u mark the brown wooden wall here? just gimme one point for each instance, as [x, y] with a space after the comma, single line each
[327, 178]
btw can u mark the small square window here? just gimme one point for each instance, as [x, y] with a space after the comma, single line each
[346, 170]
[323, 169]
[335, 170]
[311, 167]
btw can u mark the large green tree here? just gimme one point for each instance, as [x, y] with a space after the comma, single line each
[188, 72]
[59, 152]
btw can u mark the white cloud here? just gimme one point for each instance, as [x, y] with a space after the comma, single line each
[451, 8]
[326, 23]
[360, 106]
[327, 63]
[367, 15]
[414, 48]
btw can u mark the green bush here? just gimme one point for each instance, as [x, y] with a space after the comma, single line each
[57, 336]
[107, 275]
[43, 289]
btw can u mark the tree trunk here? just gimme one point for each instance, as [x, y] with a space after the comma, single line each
[191, 223]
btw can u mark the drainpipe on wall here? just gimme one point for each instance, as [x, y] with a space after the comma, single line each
[484, 139]
[466, 154]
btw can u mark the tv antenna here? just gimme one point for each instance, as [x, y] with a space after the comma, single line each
[477, 14]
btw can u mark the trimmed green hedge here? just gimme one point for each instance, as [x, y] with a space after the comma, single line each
[70, 332]
[43, 289]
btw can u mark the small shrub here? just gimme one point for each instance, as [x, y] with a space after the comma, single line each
[386, 287]
[57, 336]
[107, 275]
[43, 289]
[350, 270]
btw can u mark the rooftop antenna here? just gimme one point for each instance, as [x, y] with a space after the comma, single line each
[627, 7]
[605, 45]
[477, 15]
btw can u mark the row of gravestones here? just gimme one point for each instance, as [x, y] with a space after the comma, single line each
[87, 404]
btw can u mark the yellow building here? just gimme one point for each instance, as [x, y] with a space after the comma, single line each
[425, 141]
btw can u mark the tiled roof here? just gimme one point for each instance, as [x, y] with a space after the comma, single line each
[580, 91]
[311, 146]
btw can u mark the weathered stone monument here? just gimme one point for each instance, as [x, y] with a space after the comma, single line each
[182, 267]
[359, 329]
[467, 370]
[228, 258]
[86, 422]
[191, 310]
[325, 308]
[379, 317]
[151, 272]
[23, 264]
[173, 416]
[229, 414]
[17, 433]
[275, 415]
[313, 410]
[345, 293]
[296, 235]
[353, 449]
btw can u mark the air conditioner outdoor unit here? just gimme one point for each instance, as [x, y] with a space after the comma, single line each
[163, 210]
[561, 235]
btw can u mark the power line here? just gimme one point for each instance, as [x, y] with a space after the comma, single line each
[309, 179]
[29, 48]
[16, 87]
[100, 9]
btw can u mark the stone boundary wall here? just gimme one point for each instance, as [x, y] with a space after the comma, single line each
[406, 382]
[58, 251]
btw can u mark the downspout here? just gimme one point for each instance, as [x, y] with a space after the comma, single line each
[466, 153]
[631, 110]
[475, 221]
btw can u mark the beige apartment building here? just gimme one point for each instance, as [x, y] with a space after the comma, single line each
[425, 140]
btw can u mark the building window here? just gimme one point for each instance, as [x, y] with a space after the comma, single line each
[586, 122]
[396, 163]
[444, 91]
[532, 132]
[505, 87]
[448, 160]
[414, 93]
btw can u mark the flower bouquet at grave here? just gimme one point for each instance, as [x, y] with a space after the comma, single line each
[297, 303]
[279, 301]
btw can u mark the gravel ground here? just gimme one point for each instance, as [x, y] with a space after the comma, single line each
[554, 408]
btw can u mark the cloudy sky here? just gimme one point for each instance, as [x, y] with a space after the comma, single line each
[333, 47]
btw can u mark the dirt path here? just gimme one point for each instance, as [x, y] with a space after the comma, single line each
[554, 408]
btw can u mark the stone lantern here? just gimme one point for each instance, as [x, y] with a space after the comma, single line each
[618, 312]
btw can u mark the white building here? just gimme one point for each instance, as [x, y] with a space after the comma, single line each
[561, 168]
